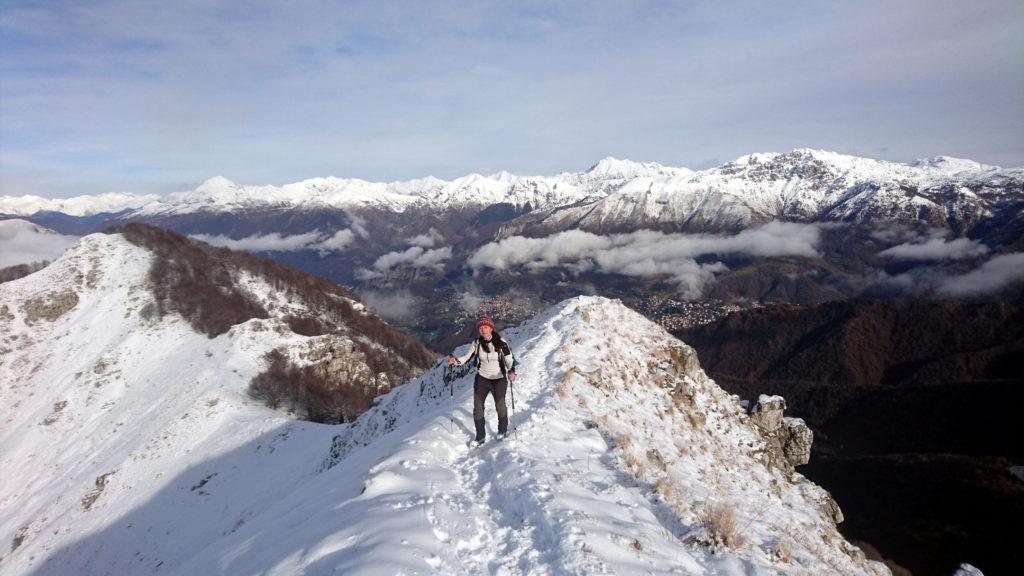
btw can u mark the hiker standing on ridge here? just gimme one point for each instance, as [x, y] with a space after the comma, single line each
[495, 369]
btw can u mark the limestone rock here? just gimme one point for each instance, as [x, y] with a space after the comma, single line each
[49, 306]
[788, 439]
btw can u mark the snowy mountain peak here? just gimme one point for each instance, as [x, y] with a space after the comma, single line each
[953, 165]
[798, 156]
[504, 176]
[611, 167]
[217, 184]
[109, 202]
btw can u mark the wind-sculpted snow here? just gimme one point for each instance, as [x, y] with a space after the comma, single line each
[130, 447]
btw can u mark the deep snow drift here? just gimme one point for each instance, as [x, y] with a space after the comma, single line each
[129, 446]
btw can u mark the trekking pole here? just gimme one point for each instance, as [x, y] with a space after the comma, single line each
[451, 397]
[512, 389]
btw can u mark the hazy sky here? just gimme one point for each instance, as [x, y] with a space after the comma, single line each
[159, 96]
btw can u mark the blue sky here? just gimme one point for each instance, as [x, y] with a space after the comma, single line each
[159, 96]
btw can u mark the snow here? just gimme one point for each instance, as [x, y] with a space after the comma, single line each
[130, 446]
[75, 206]
[801, 184]
[1017, 472]
[966, 569]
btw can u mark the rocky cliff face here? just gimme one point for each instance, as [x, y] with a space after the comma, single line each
[910, 404]
[789, 439]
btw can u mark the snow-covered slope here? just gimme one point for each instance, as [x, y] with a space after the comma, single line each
[129, 446]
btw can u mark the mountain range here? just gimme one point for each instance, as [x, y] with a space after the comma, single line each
[801, 185]
[802, 227]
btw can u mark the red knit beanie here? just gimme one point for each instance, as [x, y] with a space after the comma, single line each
[485, 320]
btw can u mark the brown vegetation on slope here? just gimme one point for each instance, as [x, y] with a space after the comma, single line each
[198, 281]
[21, 270]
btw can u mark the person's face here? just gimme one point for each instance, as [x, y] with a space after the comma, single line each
[485, 331]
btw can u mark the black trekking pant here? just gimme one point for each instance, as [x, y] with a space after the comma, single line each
[481, 388]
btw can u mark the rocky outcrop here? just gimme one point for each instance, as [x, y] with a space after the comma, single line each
[49, 306]
[340, 360]
[788, 443]
[789, 439]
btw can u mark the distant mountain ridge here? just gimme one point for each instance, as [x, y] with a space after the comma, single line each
[804, 185]
[418, 238]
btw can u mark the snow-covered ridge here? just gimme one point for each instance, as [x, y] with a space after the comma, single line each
[129, 399]
[803, 181]
[165, 466]
[802, 185]
[86, 205]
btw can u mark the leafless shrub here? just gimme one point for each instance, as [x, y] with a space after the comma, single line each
[101, 483]
[783, 553]
[719, 520]
[634, 465]
[19, 538]
[624, 442]
[562, 388]
[665, 488]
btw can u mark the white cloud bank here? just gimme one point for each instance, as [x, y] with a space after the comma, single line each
[395, 306]
[415, 256]
[22, 242]
[992, 276]
[275, 242]
[646, 252]
[428, 240]
[936, 249]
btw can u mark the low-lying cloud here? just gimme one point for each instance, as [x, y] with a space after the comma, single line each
[397, 306]
[415, 257]
[275, 242]
[340, 241]
[647, 252]
[428, 240]
[471, 300]
[22, 242]
[990, 277]
[936, 249]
